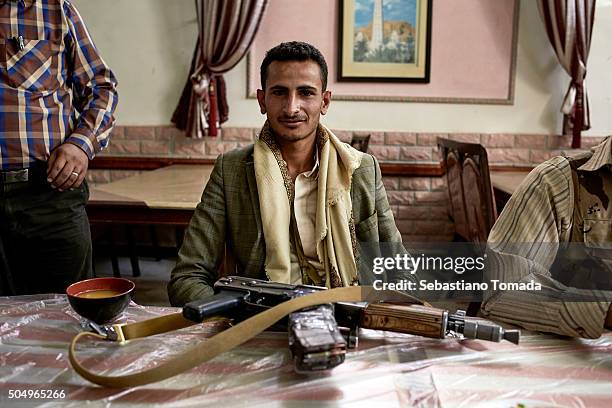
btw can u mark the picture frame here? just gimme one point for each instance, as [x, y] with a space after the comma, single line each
[384, 41]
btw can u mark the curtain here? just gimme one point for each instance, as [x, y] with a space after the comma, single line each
[569, 25]
[226, 31]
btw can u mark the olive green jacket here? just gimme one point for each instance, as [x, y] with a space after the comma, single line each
[228, 214]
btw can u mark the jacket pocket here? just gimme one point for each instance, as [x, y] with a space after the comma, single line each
[367, 230]
[594, 271]
[30, 64]
[597, 237]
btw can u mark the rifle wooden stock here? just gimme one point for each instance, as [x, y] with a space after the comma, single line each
[411, 319]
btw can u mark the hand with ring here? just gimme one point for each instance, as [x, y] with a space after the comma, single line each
[67, 167]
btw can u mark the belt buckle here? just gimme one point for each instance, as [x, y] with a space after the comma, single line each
[110, 332]
[16, 176]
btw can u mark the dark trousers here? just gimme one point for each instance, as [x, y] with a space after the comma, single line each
[45, 242]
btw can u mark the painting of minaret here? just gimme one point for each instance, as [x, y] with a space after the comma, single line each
[384, 31]
[377, 26]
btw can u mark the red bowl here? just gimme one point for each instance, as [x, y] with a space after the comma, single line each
[100, 299]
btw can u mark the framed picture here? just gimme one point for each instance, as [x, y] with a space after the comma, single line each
[384, 40]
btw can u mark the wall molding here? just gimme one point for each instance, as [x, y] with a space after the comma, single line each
[143, 162]
[389, 169]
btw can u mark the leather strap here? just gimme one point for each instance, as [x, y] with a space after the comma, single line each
[224, 341]
[157, 325]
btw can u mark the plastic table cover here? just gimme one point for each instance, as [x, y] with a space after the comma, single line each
[386, 370]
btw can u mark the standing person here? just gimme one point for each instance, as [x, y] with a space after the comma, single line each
[57, 102]
[292, 207]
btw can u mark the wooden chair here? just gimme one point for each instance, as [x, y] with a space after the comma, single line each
[472, 203]
[361, 142]
[470, 191]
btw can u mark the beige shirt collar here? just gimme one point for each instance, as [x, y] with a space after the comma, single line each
[315, 167]
[602, 156]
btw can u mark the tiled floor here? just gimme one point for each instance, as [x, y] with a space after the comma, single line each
[150, 285]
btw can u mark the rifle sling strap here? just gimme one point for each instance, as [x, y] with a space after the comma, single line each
[221, 342]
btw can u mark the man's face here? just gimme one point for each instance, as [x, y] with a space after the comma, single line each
[293, 99]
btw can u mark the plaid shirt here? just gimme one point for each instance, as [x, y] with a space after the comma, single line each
[54, 86]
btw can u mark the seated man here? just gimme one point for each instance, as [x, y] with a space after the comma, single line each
[292, 207]
[555, 231]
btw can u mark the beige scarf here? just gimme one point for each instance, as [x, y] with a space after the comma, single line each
[334, 228]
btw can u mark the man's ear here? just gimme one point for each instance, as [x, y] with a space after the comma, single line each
[326, 101]
[261, 99]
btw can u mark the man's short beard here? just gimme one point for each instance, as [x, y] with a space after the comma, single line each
[289, 138]
[282, 136]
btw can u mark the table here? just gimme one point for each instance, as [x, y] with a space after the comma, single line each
[504, 184]
[387, 370]
[166, 196]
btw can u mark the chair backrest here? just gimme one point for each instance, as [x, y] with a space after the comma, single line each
[472, 203]
[360, 142]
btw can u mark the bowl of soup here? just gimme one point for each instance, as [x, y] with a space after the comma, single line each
[100, 299]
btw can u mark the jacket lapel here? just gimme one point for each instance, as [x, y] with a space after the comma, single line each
[257, 256]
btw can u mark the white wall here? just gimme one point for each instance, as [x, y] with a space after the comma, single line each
[149, 45]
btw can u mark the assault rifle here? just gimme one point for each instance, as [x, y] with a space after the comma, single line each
[319, 336]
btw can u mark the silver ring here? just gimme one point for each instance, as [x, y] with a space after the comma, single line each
[75, 174]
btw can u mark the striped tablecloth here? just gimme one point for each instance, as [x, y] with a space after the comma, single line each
[387, 370]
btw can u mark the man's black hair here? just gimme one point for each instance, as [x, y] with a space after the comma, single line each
[293, 51]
